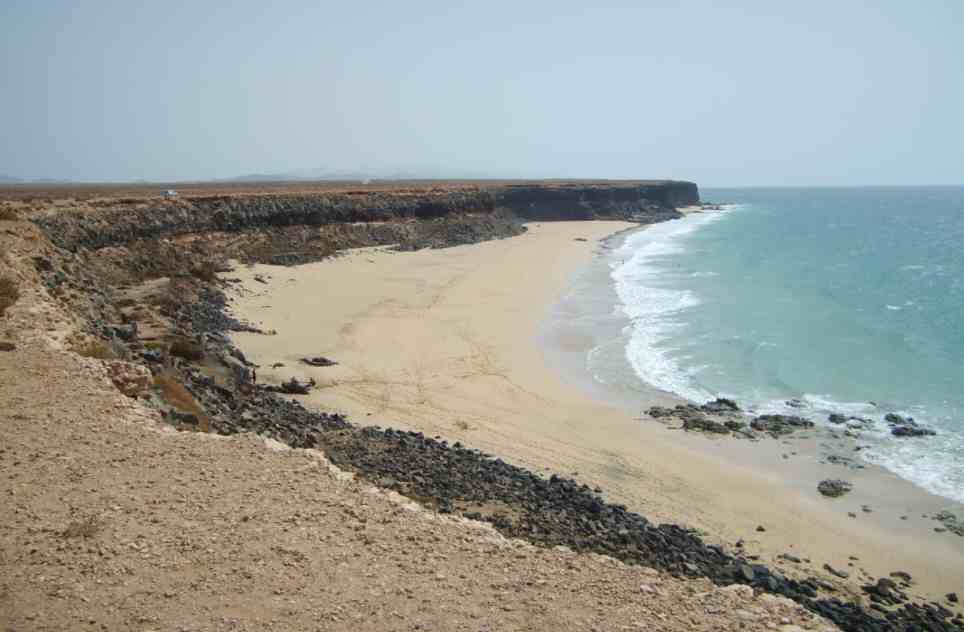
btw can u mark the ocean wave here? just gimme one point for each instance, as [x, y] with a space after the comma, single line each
[657, 312]
[654, 310]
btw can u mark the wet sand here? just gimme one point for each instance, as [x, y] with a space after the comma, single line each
[447, 342]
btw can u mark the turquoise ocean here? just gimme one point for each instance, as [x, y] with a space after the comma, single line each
[850, 300]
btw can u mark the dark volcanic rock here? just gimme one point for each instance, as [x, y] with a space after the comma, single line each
[646, 203]
[911, 431]
[899, 420]
[318, 361]
[950, 522]
[292, 387]
[696, 421]
[834, 488]
[720, 405]
[776, 425]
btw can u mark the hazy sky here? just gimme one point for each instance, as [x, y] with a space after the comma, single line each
[771, 92]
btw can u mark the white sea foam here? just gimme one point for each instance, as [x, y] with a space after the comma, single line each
[654, 311]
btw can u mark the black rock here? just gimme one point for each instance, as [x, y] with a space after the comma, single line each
[696, 421]
[952, 597]
[911, 431]
[292, 387]
[747, 572]
[833, 488]
[777, 425]
[318, 361]
[899, 420]
[720, 405]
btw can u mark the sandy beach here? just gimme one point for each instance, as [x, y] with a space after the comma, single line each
[446, 342]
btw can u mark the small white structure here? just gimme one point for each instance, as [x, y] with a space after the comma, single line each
[169, 193]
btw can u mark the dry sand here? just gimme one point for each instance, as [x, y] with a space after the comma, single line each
[444, 342]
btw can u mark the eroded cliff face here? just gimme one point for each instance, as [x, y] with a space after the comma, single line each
[115, 226]
[474, 213]
[644, 203]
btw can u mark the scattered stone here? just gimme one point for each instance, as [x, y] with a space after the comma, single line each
[952, 597]
[795, 403]
[778, 425]
[7, 346]
[318, 361]
[834, 488]
[293, 387]
[950, 522]
[884, 591]
[760, 528]
[833, 571]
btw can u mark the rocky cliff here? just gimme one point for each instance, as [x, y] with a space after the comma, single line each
[642, 202]
[130, 220]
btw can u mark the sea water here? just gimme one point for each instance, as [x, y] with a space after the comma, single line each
[849, 300]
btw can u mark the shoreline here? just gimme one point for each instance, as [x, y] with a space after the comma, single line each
[460, 325]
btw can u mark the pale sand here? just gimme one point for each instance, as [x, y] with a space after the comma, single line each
[444, 342]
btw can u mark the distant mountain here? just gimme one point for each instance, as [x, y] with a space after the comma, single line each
[383, 173]
[5, 179]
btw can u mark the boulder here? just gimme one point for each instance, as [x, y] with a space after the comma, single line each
[292, 387]
[899, 420]
[833, 488]
[777, 425]
[911, 431]
[703, 424]
[318, 361]
[720, 405]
